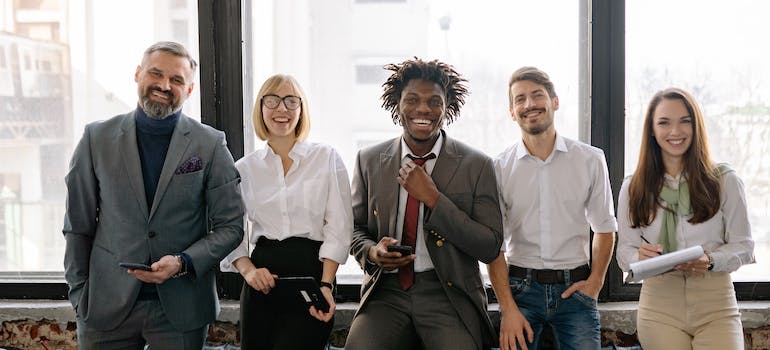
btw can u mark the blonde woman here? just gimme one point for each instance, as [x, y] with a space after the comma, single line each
[299, 222]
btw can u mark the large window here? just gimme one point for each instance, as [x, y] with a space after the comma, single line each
[337, 51]
[65, 63]
[75, 65]
[725, 67]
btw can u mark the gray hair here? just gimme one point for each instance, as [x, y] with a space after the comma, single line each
[172, 48]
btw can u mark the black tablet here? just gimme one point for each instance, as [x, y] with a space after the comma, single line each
[304, 290]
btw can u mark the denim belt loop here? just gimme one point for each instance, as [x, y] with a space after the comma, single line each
[567, 278]
[529, 276]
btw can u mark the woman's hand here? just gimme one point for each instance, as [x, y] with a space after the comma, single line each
[260, 279]
[697, 267]
[647, 250]
[324, 316]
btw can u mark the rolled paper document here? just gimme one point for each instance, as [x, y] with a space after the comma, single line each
[661, 264]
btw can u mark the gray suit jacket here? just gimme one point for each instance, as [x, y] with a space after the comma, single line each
[108, 221]
[466, 220]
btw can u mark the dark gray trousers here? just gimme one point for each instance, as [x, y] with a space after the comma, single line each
[419, 318]
[146, 324]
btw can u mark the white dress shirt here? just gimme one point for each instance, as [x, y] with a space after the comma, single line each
[549, 204]
[726, 235]
[422, 260]
[311, 201]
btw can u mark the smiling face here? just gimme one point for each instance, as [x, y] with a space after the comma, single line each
[422, 109]
[672, 126]
[280, 121]
[164, 82]
[532, 107]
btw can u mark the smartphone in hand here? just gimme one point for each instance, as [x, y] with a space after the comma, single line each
[405, 250]
[135, 266]
[304, 290]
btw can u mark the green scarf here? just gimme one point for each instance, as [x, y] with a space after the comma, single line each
[677, 203]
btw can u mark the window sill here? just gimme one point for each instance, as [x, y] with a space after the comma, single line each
[618, 316]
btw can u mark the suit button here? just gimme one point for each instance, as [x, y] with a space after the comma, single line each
[439, 243]
[449, 284]
[151, 234]
[376, 213]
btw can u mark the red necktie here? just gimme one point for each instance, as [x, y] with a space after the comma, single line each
[409, 233]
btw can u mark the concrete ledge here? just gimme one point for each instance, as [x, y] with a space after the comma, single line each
[33, 323]
[619, 316]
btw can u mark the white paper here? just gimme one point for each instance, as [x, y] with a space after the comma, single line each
[661, 264]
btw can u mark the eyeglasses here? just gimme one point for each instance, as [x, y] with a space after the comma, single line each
[272, 101]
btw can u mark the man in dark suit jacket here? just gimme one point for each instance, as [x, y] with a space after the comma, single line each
[433, 298]
[152, 187]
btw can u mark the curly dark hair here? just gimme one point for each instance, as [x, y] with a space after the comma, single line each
[435, 71]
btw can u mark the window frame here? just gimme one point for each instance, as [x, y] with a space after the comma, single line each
[222, 106]
[608, 55]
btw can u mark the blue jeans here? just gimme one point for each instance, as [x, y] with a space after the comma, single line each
[575, 320]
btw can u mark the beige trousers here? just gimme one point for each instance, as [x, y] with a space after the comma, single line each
[679, 312]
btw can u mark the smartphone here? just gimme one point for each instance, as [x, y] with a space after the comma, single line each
[135, 266]
[403, 249]
[302, 290]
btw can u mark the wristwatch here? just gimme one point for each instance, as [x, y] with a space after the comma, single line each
[182, 269]
[326, 284]
[711, 262]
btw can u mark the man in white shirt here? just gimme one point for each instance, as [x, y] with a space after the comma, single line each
[432, 193]
[552, 190]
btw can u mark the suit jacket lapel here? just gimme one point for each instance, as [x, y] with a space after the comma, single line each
[129, 152]
[176, 149]
[446, 164]
[388, 187]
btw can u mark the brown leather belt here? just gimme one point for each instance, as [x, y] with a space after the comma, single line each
[546, 276]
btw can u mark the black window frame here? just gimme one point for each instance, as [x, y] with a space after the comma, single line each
[222, 106]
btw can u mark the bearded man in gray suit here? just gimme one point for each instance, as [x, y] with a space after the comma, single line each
[437, 196]
[150, 187]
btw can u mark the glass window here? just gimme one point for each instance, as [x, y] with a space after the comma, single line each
[724, 67]
[337, 51]
[50, 89]
[3, 63]
[378, 1]
[370, 74]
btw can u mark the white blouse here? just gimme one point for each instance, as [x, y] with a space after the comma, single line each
[726, 235]
[311, 201]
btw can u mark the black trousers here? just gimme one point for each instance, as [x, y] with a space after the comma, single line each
[271, 323]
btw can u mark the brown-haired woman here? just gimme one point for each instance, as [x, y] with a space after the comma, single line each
[679, 198]
[299, 221]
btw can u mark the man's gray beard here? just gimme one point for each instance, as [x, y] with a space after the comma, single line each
[156, 110]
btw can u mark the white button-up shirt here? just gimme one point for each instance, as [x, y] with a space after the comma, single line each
[549, 205]
[726, 235]
[422, 260]
[311, 201]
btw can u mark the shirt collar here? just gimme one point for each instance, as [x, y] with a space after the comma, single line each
[435, 150]
[298, 151]
[559, 145]
[673, 181]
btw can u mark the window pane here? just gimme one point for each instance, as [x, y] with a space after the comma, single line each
[337, 49]
[65, 64]
[675, 43]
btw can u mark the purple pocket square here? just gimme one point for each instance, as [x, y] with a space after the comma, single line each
[190, 165]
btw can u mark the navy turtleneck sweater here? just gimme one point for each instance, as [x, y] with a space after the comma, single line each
[153, 137]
